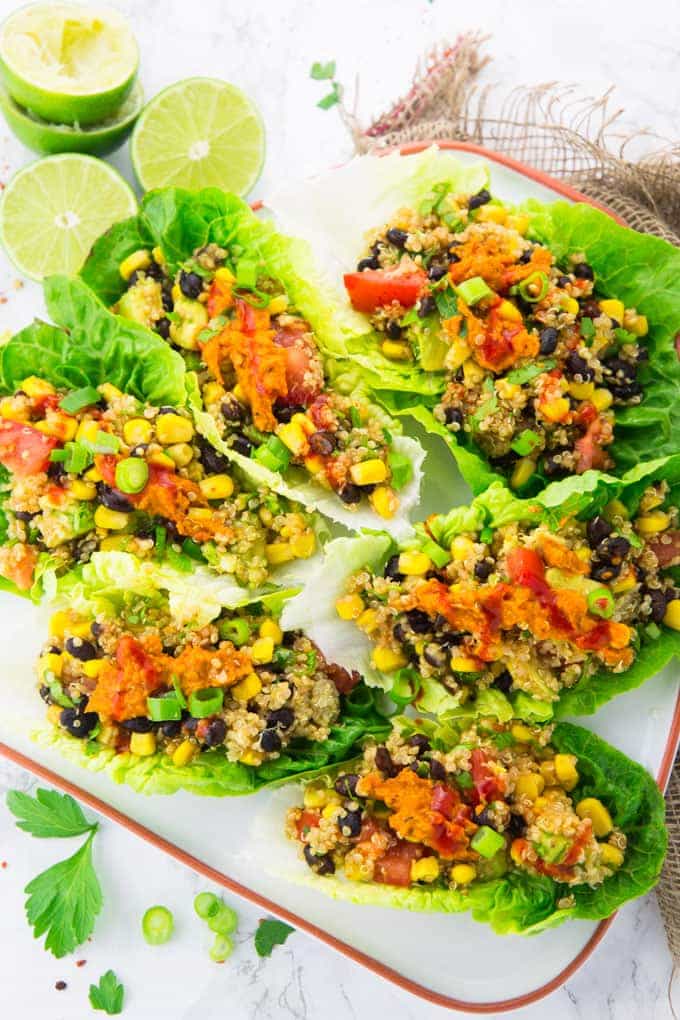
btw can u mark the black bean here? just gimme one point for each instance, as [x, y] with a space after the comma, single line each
[241, 444]
[346, 784]
[189, 724]
[399, 633]
[112, 498]
[24, 515]
[604, 571]
[393, 329]
[191, 284]
[322, 442]
[215, 733]
[582, 271]
[166, 295]
[80, 649]
[391, 570]
[350, 493]
[613, 550]
[285, 413]
[553, 468]
[214, 463]
[383, 761]
[548, 338]
[283, 717]
[232, 410]
[45, 694]
[453, 258]
[658, 600]
[481, 198]
[154, 270]
[171, 729]
[575, 365]
[597, 530]
[590, 308]
[397, 237]
[426, 306]
[372, 262]
[642, 354]
[484, 818]
[435, 656]
[503, 682]
[322, 864]
[625, 390]
[78, 724]
[55, 470]
[418, 621]
[620, 369]
[483, 569]
[516, 826]
[162, 327]
[453, 416]
[419, 741]
[350, 823]
[270, 741]
[167, 409]
[139, 724]
[525, 256]
[437, 770]
[563, 281]
[437, 271]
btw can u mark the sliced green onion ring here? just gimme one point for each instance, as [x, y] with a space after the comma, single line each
[205, 702]
[164, 709]
[221, 949]
[406, 687]
[224, 922]
[359, 701]
[157, 925]
[601, 603]
[237, 631]
[537, 277]
[207, 905]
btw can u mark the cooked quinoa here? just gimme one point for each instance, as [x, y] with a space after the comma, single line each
[412, 814]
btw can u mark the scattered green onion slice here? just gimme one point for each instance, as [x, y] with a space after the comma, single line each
[178, 560]
[486, 841]
[537, 277]
[273, 454]
[472, 291]
[439, 556]
[224, 921]
[179, 694]
[160, 538]
[355, 417]
[157, 925]
[104, 442]
[165, 708]
[132, 474]
[236, 631]
[601, 603]
[359, 701]
[206, 905]
[206, 702]
[526, 442]
[193, 550]
[401, 468]
[221, 949]
[587, 328]
[76, 400]
[406, 687]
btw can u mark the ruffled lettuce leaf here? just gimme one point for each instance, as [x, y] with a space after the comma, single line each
[522, 903]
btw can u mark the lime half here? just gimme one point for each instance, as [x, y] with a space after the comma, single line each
[52, 211]
[68, 63]
[199, 133]
[97, 139]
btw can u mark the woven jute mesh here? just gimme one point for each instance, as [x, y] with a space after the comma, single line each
[547, 127]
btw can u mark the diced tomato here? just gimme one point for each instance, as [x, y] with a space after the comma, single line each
[18, 563]
[487, 785]
[443, 800]
[24, 450]
[666, 548]
[590, 453]
[586, 414]
[375, 288]
[307, 820]
[525, 567]
[394, 867]
[304, 384]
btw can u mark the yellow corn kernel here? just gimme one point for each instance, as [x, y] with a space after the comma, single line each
[615, 508]
[137, 430]
[33, 386]
[384, 501]
[212, 392]
[59, 426]
[278, 553]
[555, 410]
[83, 490]
[173, 428]
[271, 629]
[78, 626]
[112, 520]
[315, 796]
[247, 688]
[368, 621]
[522, 472]
[464, 664]
[294, 437]
[200, 513]
[672, 615]
[115, 543]
[613, 308]
[67, 428]
[158, 256]
[385, 660]
[305, 423]
[548, 772]
[262, 650]
[461, 548]
[252, 757]
[611, 856]
[143, 744]
[463, 874]
[183, 753]
[330, 811]
[59, 623]
[491, 214]
[225, 275]
[368, 472]
[161, 459]
[314, 463]
[92, 668]
[458, 353]
[93, 475]
[302, 546]
[180, 453]
[582, 391]
[569, 304]
[52, 662]
[349, 607]
[565, 770]
[473, 374]
[521, 733]
[109, 392]
[54, 714]
[12, 409]
[396, 350]
[507, 390]
[414, 563]
[140, 259]
[216, 486]
[278, 304]
[530, 785]
[623, 584]
[425, 870]
[653, 523]
[637, 325]
[516, 851]
[508, 311]
[87, 431]
[595, 810]
[518, 222]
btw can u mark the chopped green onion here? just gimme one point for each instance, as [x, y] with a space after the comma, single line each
[221, 949]
[205, 702]
[76, 400]
[165, 708]
[537, 277]
[474, 290]
[439, 556]
[160, 538]
[206, 905]
[74, 456]
[359, 701]
[587, 328]
[104, 442]
[528, 372]
[193, 550]
[464, 780]
[58, 456]
[236, 631]
[355, 417]
[246, 273]
[132, 474]
[526, 442]
[273, 454]
[57, 694]
[624, 337]
[447, 303]
[282, 657]
[387, 436]
[311, 661]
[409, 318]
[486, 535]
[406, 687]
[601, 603]
[401, 468]
[157, 925]
[487, 842]
[179, 694]
[225, 921]
[178, 560]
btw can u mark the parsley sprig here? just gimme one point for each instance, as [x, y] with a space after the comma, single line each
[64, 900]
[108, 994]
[326, 72]
[271, 933]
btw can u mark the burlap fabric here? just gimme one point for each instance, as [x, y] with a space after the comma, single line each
[578, 141]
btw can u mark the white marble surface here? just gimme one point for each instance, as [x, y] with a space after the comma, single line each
[267, 47]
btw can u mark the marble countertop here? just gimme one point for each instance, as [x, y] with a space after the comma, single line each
[267, 49]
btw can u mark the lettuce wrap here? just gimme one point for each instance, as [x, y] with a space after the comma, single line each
[535, 558]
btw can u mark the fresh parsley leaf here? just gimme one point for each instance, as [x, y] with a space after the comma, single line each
[331, 99]
[322, 72]
[64, 901]
[108, 994]
[529, 372]
[447, 303]
[49, 814]
[587, 328]
[464, 780]
[271, 933]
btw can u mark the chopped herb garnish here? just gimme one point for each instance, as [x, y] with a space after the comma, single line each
[528, 372]
[271, 933]
[587, 328]
[108, 995]
[76, 400]
[322, 72]
[331, 98]
[447, 303]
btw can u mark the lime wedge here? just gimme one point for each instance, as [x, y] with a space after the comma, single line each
[199, 133]
[97, 139]
[68, 63]
[53, 210]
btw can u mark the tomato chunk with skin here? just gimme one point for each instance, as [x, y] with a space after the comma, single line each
[307, 820]
[24, 450]
[394, 867]
[375, 288]
[443, 800]
[487, 786]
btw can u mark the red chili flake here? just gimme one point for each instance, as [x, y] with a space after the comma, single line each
[80, 963]
[60, 986]
[3, 864]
